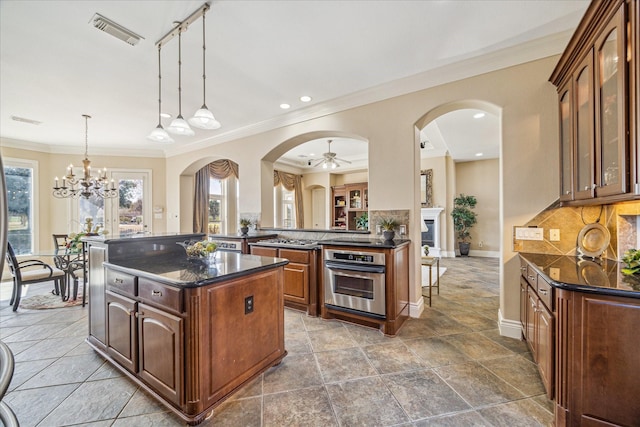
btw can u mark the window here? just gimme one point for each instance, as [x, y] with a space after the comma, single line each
[284, 207]
[217, 206]
[20, 176]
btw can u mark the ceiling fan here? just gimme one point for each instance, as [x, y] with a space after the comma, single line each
[329, 159]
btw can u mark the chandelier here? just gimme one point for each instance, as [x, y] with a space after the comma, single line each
[86, 185]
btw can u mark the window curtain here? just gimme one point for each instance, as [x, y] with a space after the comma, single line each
[220, 169]
[291, 182]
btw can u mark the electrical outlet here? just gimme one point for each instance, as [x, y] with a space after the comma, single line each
[403, 229]
[248, 305]
[554, 273]
[529, 233]
[554, 235]
[480, 244]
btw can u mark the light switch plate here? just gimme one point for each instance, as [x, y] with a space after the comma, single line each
[529, 233]
[554, 235]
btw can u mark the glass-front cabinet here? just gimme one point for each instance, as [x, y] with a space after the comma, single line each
[596, 107]
[566, 143]
[610, 104]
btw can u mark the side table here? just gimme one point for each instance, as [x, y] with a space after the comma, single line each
[431, 261]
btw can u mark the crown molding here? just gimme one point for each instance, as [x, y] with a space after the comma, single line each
[75, 150]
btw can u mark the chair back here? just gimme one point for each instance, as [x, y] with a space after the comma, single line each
[60, 242]
[13, 263]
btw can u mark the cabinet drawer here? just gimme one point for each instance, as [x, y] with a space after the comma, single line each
[523, 267]
[122, 283]
[160, 295]
[531, 276]
[545, 292]
[262, 251]
[293, 255]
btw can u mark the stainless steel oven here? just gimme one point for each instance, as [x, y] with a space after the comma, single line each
[355, 280]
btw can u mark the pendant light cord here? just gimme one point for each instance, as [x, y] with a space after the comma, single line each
[180, 72]
[204, 74]
[159, 87]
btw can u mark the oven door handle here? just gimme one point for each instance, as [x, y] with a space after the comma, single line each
[332, 265]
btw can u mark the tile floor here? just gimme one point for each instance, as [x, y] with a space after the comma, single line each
[448, 368]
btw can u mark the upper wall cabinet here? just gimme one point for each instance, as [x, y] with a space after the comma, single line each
[596, 79]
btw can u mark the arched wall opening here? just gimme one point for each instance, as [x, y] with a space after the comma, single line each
[266, 177]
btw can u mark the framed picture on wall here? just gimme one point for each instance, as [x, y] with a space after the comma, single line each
[426, 188]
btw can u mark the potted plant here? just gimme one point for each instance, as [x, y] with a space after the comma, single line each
[245, 223]
[463, 219]
[388, 228]
[362, 222]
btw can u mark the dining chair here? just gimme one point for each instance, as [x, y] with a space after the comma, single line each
[60, 242]
[72, 265]
[32, 271]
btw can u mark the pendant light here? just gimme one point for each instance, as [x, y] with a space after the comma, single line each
[179, 125]
[203, 118]
[159, 134]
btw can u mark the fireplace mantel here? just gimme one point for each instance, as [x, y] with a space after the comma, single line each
[432, 214]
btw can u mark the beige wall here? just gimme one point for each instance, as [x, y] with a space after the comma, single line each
[522, 94]
[482, 179]
[53, 214]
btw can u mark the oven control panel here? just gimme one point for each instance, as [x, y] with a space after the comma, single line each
[355, 257]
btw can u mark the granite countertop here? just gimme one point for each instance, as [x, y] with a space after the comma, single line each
[185, 273]
[137, 237]
[252, 235]
[584, 275]
[366, 243]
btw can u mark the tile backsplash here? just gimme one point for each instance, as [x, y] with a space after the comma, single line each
[621, 220]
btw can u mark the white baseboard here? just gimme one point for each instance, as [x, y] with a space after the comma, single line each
[509, 328]
[485, 254]
[416, 308]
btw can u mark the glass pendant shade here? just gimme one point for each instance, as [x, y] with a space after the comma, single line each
[204, 119]
[158, 134]
[179, 126]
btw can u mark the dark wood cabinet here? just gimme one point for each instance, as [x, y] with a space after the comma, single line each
[538, 322]
[300, 276]
[122, 334]
[596, 78]
[161, 349]
[599, 380]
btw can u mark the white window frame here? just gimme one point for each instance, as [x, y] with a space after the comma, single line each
[279, 203]
[35, 191]
[224, 220]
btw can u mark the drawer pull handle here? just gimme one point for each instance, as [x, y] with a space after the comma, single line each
[119, 281]
[156, 293]
[532, 277]
[542, 291]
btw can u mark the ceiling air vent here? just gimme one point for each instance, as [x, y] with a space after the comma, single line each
[116, 30]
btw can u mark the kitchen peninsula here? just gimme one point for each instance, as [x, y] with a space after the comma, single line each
[190, 332]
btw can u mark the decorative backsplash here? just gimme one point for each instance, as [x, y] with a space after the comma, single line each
[620, 219]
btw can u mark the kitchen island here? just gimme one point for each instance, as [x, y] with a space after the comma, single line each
[190, 332]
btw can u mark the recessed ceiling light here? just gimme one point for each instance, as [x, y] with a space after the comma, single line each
[479, 154]
[165, 115]
[312, 154]
[478, 115]
[305, 98]
[285, 106]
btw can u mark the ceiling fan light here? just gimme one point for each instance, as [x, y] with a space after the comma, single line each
[179, 126]
[204, 119]
[158, 134]
[333, 165]
[324, 165]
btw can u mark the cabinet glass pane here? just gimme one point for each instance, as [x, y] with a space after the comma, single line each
[608, 86]
[565, 135]
[583, 146]
[355, 199]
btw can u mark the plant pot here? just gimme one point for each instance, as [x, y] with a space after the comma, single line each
[388, 234]
[425, 250]
[464, 248]
[244, 230]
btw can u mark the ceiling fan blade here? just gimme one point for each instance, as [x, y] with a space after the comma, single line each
[319, 163]
[342, 160]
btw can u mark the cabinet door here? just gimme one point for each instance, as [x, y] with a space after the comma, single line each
[566, 143]
[584, 129]
[524, 299]
[611, 141]
[355, 196]
[296, 282]
[121, 330]
[544, 338]
[161, 343]
[532, 306]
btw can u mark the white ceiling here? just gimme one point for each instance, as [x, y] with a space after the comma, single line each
[54, 66]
